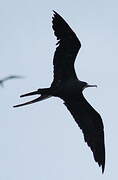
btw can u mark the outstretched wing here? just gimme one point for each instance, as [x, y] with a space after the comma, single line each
[11, 77]
[91, 125]
[66, 52]
[8, 78]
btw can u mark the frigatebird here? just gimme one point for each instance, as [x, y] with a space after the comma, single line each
[8, 78]
[69, 88]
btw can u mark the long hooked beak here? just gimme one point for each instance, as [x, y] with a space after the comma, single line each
[88, 85]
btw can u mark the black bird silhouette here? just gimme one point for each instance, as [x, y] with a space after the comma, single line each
[69, 88]
[8, 78]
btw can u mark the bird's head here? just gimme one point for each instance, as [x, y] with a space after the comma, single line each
[86, 85]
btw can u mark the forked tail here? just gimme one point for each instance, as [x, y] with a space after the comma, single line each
[42, 97]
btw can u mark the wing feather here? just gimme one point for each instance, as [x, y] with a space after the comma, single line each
[91, 125]
[66, 52]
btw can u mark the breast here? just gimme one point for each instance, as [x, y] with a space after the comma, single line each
[68, 88]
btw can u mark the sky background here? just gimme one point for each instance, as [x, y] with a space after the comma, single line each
[42, 141]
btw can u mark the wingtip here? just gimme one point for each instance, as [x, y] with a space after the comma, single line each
[102, 165]
[103, 168]
[54, 12]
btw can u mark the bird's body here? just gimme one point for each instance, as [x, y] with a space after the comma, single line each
[69, 88]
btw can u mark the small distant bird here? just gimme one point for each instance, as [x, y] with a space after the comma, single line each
[69, 88]
[8, 78]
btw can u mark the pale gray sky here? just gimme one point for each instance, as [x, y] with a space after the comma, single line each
[42, 141]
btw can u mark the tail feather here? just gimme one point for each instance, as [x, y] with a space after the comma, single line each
[44, 94]
[42, 97]
[44, 91]
[30, 94]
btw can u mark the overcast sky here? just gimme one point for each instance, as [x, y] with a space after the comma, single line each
[42, 141]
